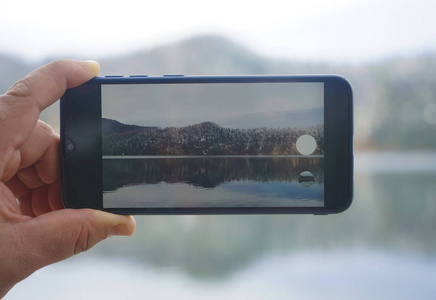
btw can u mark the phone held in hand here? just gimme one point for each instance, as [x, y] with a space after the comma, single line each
[208, 145]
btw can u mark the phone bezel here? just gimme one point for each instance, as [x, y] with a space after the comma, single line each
[80, 110]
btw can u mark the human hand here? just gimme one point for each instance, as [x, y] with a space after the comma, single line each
[35, 229]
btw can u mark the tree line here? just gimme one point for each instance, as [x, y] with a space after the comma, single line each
[205, 138]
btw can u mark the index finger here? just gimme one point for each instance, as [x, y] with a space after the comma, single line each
[22, 103]
[48, 83]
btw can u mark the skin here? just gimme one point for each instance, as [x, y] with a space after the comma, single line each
[35, 229]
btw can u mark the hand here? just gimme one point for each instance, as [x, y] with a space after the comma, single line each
[35, 229]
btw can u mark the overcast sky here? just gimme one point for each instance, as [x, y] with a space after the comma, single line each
[339, 30]
[230, 105]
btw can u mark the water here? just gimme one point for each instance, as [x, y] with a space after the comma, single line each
[213, 181]
[383, 247]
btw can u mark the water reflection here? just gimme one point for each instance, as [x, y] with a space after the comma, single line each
[213, 181]
[383, 247]
[207, 171]
[391, 211]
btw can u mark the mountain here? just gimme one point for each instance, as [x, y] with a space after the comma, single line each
[206, 138]
[394, 102]
[12, 68]
[202, 55]
[114, 127]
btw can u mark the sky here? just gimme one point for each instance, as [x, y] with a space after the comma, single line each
[313, 30]
[230, 105]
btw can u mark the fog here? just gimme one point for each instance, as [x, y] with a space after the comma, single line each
[383, 247]
[337, 31]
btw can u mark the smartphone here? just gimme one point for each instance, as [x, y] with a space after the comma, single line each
[177, 144]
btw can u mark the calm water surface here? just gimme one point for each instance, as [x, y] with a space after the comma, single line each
[212, 181]
[383, 247]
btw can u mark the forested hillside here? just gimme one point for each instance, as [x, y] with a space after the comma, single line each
[206, 138]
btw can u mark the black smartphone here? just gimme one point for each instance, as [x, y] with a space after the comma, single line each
[208, 144]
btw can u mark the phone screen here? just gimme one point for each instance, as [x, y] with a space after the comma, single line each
[204, 145]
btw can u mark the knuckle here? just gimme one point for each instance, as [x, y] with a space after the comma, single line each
[18, 99]
[82, 240]
[86, 235]
[45, 128]
[21, 88]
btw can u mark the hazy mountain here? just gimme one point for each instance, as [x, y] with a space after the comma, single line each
[115, 127]
[203, 55]
[12, 68]
[394, 99]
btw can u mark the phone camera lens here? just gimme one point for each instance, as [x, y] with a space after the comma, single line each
[69, 146]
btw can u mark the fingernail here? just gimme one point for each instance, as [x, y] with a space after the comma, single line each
[124, 229]
[94, 67]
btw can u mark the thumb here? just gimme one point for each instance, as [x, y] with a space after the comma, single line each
[58, 235]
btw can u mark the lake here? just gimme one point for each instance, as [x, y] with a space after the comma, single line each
[213, 181]
[383, 247]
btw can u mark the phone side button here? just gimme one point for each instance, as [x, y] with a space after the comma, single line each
[114, 76]
[173, 75]
[139, 76]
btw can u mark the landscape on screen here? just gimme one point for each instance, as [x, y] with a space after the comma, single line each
[206, 138]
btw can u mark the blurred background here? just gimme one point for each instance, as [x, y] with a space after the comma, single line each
[383, 247]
